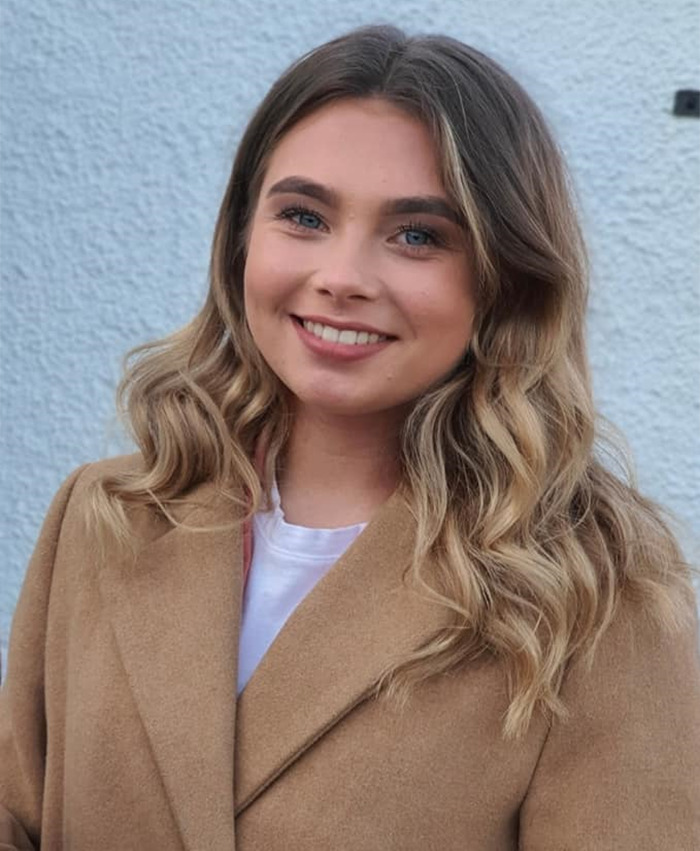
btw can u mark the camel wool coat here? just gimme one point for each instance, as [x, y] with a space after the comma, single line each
[120, 729]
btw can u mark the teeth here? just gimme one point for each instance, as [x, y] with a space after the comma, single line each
[346, 336]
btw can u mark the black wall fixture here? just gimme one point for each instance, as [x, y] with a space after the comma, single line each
[687, 103]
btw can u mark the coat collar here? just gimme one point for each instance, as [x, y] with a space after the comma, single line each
[176, 610]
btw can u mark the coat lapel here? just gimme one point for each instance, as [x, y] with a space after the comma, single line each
[331, 651]
[175, 611]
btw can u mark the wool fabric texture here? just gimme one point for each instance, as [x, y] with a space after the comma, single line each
[120, 728]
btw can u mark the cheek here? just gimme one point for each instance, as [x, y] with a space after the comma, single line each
[443, 311]
[272, 269]
[264, 278]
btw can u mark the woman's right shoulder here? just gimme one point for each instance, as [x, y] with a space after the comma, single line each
[94, 470]
[107, 501]
[82, 478]
[76, 491]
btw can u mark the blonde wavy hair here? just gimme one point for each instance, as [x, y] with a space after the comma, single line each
[523, 532]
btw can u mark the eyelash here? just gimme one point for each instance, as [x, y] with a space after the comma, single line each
[435, 240]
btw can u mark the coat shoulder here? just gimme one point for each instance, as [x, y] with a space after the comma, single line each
[81, 502]
[80, 483]
[118, 465]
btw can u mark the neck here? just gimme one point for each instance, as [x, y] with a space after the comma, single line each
[337, 471]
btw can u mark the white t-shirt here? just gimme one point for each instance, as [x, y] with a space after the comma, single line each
[287, 562]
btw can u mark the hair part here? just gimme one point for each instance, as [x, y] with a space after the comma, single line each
[522, 533]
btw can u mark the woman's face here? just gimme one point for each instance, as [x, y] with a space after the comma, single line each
[358, 282]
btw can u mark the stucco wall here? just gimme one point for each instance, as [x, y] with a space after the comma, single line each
[118, 124]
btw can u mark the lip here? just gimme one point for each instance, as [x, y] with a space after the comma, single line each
[341, 352]
[344, 326]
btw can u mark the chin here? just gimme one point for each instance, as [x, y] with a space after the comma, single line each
[335, 404]
[337, 407]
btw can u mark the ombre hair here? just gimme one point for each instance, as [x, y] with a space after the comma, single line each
[523, 533]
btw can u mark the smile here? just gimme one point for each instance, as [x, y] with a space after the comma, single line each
[346, 336]
[338, 344]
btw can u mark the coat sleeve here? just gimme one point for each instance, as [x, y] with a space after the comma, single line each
[623, 771]
[22, 706]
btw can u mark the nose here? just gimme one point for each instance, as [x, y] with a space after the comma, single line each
[346, 274]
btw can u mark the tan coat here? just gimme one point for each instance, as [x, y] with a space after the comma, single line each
[120, 728]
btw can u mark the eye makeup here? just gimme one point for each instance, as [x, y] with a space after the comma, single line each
[305, 219]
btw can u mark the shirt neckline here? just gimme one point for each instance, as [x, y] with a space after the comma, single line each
[293, 539]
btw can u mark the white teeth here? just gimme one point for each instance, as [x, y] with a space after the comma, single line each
[346, 336]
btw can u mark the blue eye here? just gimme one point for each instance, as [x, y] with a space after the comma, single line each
[419, 236]
[301, 217]
[308, 220]
[416, 237]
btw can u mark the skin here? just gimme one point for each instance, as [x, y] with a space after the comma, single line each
[351, 257]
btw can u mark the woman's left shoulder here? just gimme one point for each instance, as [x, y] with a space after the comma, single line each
[622, 769]
[648, 638]
[645, 664]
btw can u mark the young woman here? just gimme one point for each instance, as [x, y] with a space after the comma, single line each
[367, 584]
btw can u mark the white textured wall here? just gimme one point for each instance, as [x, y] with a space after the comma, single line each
[119, 120]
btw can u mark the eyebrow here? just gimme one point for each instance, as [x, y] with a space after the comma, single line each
[432, 205]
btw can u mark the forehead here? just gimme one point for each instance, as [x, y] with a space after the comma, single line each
[360, 146]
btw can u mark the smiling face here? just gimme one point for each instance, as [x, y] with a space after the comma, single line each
[358, 287]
